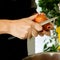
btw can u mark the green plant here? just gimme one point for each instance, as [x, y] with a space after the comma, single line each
[52, 9]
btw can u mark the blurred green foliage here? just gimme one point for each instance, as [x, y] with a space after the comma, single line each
[51, 9]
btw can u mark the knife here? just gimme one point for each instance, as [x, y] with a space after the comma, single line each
[49, 20]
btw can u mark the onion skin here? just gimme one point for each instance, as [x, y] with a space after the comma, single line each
[41, 18]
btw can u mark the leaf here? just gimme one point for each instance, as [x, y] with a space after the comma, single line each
[45, 46]
[50, 41]
[50, 6]
[47, 49]
[53, 48]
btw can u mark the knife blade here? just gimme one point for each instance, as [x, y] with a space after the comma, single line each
[49, 20]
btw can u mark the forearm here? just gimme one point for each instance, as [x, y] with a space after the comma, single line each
[9, 26]
[4, 26]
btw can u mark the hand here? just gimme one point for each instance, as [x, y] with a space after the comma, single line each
[22, 28]
[25, 27]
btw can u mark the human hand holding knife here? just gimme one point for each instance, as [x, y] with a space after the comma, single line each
[25, 27]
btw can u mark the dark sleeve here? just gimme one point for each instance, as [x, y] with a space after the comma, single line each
[15, 49]
[10, 9]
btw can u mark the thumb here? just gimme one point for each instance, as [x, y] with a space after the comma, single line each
[32, 17]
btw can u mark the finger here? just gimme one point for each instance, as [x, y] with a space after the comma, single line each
[34, 32]
[37, 26]
[32, 17]
[41, 33]
[29, 35]
[52, 26]
[47, 33]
